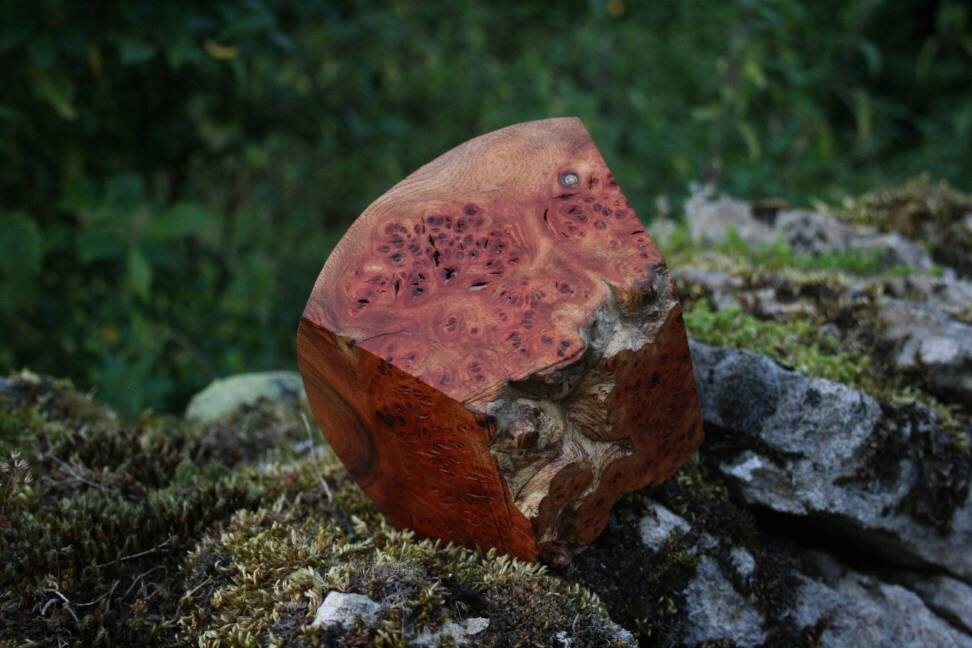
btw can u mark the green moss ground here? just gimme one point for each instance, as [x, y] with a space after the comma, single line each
[164, 533]
[93, 543]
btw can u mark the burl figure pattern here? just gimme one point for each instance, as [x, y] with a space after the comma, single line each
[495, 349]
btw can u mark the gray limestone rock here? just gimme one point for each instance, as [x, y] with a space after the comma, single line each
[710, 219]
[461, 634]
[813, 448]
[948, 293]
[743, 561]
[948, 597]
[341, 608]
[224, 395]
[859, 610]
[659, 524]
[716, 611]
[930, 343]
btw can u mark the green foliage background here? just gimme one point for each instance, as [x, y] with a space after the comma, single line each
[172, 176]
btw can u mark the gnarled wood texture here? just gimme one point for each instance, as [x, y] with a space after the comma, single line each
[495, 349]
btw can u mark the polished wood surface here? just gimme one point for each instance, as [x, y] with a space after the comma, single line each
[456, 354]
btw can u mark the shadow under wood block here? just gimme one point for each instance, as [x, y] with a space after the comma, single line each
[495, 349]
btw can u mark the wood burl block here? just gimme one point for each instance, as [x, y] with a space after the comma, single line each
[495, 349]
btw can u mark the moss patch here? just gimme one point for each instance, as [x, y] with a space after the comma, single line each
[797, 344]
[934, 213]
[261, 580]
[92, 544]
[832, 335]
[775, 256]
[165, 533]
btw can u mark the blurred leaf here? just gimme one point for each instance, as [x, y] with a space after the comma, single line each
[20, 262]
[22, 245]
[706, 113]
[100, 244]
[871, 55]
[79, 194]
[56, 90]
[138, 273]
[751, 139]
[95, 61]
[125, 190]
[863, 115]
[182, 51]
[13, 34]
[134, 51]
[42, 51]
[754, 73]
[178, 221]
[220, 52]
[259, 21]
[926, 57]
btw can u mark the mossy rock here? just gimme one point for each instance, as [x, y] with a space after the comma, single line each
[225, 395]
[936, 214]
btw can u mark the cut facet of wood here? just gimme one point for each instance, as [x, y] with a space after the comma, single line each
[495, 348]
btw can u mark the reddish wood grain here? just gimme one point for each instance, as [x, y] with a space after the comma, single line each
[420, 455]
[455, 354]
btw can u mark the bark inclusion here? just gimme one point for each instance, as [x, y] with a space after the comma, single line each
[556, 439]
